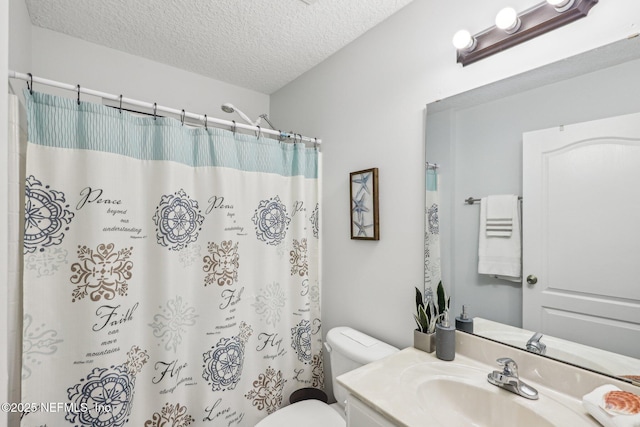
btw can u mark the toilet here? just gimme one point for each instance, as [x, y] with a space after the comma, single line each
[348, 349]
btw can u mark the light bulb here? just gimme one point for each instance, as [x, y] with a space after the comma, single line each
[462, 40]
[561, 5]
[507, 20]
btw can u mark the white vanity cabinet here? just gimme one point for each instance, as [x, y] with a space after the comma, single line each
[361, 415]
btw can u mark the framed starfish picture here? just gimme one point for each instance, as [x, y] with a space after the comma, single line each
[364, 204]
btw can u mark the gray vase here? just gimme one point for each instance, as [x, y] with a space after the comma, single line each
[424, 342]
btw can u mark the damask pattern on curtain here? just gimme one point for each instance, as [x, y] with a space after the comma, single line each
[432, 270]
[171, 274]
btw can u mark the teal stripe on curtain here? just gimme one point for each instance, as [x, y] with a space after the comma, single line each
[107, 129]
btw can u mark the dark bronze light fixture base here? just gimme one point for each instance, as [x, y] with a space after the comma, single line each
[535, 21]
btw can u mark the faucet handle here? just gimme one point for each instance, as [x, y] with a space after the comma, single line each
[535, 338]
[510, 366]
[534, 344]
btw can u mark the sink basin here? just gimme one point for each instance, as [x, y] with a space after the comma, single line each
[461, 403]
[458, 394]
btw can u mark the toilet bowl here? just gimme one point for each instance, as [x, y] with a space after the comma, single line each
[307, 413]
[348, 349]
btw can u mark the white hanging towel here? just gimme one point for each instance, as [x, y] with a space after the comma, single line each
[500, 252]
[499, 222]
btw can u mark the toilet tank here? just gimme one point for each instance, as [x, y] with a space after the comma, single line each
[349, 349]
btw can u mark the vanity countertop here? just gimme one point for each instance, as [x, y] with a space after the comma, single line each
[392, 386]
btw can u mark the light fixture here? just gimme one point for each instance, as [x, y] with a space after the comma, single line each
[463, 40]
[561, 5]
[512, 28]
[507, 20]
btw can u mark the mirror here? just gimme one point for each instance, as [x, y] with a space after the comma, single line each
[476, 140]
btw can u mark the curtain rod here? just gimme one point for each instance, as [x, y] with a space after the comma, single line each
[30, 79]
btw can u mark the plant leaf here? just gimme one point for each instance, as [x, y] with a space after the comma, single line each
[419, 300]
[424, 321]
[443, 301]
[418, 323]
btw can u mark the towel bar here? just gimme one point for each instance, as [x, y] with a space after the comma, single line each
[471, 200]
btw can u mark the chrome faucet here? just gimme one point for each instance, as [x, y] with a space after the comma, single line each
[508, 379]
[534, 344]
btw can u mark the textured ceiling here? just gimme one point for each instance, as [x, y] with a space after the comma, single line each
[256, 44]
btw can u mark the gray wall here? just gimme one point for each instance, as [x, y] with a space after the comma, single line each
[481, 151]
[67, 59]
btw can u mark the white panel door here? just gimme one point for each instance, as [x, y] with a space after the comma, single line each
[581, 233]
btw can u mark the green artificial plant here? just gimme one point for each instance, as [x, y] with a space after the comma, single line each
[429, 312]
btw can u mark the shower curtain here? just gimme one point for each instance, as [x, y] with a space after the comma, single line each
[171, 274]
[432, 271]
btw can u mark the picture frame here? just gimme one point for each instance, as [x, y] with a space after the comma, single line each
[363, 195]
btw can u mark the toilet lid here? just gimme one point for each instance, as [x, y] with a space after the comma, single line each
[307, 413]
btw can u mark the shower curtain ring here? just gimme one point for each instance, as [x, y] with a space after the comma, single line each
[30, 85]
[258, 132]
[182, 118]
[234, 126]
[205, 122]
[120, 103]
[78, 86]
[155, 109]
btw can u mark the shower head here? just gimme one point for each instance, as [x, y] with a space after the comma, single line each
[229, 108]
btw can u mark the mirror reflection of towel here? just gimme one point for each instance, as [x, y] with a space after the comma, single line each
[499, 246]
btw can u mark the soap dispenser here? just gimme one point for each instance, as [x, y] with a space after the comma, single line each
[464, 322]
[445, 339]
